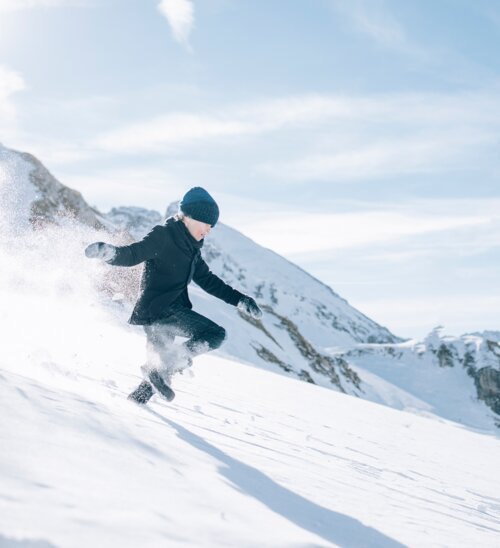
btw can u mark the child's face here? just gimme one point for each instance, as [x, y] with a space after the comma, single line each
[197, 229]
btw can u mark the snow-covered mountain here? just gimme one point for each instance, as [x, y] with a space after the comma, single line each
[244, 456]
[453, 377]
[29, 193]
[308, 331]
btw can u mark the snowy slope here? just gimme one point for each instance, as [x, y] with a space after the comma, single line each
[456, 378]
[301, 312]
[242, 457]
[302, 316]
[307, 332]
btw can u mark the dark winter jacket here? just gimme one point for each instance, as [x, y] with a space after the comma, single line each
[173, 259]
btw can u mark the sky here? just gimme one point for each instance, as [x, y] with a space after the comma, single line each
[359, 139]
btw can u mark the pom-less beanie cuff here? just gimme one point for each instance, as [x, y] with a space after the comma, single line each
[199, 205]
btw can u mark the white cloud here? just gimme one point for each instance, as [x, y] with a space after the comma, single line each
[54, 152]
[183, 128]
[116, 187]
[416, 316]
[11, 83]
[172, 129]
[180, 17]
[317, 232]
[383, 158]
[373, 19]
[408, 266]
[333, 137]
[17, 5]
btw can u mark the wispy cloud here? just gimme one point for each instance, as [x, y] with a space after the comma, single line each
[400, 263]
[180, 17]
[415, 316]
[373, 19]
[115, 187]
[17, 5]
[338, 231]
[184, 128]
[11, 82]
[427, 153]
[335, 137]
[423, 227]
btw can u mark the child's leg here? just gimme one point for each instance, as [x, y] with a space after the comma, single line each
[203, 334]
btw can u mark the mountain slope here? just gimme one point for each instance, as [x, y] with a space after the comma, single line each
[30, 193]
[302, 313]
[457, 378]
[243, 457]
[307, 331]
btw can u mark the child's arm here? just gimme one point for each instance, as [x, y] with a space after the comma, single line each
[129, 255]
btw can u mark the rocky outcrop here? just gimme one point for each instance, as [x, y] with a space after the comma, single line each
[335, 368]
[56, 200]
[46, 200]
[487, 382]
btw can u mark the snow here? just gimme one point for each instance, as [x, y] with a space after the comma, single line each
[242, 457]
[15, 195]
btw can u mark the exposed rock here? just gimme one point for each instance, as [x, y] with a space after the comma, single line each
[56, 201]
[320, 363]
[269, 357]
[487, 382]
[445, 356]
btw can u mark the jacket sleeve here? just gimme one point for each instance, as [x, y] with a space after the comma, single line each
[212, 284]
[148, 248]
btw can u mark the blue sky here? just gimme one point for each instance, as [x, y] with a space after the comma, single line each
[358, 138]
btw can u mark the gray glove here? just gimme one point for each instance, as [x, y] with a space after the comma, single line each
[100, 250]
[248, 305]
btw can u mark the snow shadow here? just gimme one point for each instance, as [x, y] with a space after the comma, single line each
[332, 526]
[6, 542]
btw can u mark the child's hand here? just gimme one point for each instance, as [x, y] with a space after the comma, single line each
[100, 250]
[248, 305]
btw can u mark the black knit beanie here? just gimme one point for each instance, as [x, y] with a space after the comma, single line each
[199, 205]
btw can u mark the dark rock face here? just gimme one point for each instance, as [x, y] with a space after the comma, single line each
[334, 368]
[487, 382]
[56, 200]
[445, 356]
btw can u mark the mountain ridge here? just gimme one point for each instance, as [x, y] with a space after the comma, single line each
[308, 330]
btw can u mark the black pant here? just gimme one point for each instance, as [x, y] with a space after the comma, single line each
[203, 335]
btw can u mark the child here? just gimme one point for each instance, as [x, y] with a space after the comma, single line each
[173, 258]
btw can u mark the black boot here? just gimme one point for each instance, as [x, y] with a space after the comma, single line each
[143, 393]
[160, 385]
